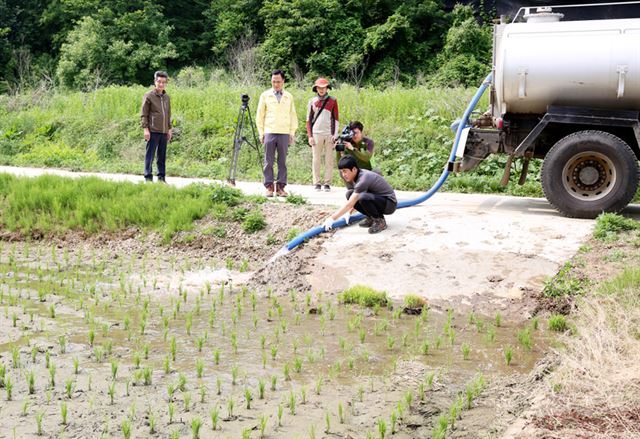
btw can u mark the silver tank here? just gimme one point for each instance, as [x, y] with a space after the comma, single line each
[592, 63]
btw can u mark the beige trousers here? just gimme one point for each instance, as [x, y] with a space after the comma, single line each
[323, 148]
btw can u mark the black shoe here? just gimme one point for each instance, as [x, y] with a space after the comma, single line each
[367, 222]
[318, 187]
[148, 180]
[327, 188]
[162, 180]
[379, 224]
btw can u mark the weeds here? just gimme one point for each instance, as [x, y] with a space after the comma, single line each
[558, 322]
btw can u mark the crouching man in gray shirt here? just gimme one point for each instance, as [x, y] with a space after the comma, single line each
[368, 193]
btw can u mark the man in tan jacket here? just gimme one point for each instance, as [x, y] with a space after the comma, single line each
[155, 119]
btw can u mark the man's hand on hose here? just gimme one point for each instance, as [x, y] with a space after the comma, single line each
[328, 224]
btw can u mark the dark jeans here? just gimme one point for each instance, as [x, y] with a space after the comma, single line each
[273, 143]
[158, 141]
[375, 206]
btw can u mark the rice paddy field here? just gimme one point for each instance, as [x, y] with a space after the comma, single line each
[130, 345]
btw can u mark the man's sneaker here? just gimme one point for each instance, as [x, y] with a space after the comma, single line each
[318, 187]
[367, 222]
[327, 188]
[379, 224]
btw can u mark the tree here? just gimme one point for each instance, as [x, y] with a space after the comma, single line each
[123, 48]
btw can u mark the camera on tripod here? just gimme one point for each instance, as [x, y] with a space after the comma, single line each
[245, 100]
[345, 136]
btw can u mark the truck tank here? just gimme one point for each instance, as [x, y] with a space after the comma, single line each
[594, 63]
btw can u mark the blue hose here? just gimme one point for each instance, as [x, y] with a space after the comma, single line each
[445, 173]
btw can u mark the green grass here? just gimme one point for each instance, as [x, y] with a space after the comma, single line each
[558, 322]
[609, 225]
[564, 283]
[99, 131]
[50, 205]
[364, 296]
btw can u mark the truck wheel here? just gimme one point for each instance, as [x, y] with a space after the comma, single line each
[590, 172]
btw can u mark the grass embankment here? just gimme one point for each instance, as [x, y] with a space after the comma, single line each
[49, 205]
[100, 131]
[595, 389]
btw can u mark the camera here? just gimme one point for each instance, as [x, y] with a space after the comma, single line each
[345, 136]
[245, 99]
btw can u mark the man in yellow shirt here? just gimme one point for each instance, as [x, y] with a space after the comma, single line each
[277, 122]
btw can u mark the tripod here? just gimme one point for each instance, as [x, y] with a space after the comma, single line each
[244, 117]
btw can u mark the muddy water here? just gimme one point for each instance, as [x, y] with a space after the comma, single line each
[350, 365]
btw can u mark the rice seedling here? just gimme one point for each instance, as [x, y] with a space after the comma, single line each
[263, 424]
[524, 337]
[68, 387]
[557, 322]
[136, 360]
[535, 323]
[508, 354]
[248, 397]
[216, 357]
[145, 351]
[466, 350]
[52, 375]
[297, 364]
[491, 334]
[92, 336]
[393, 420]
[152, 423]
[261, 387]
[166, 366]
[429, 380]
[498, 319]
[340, 413]
[390, 342]
[147, 374]
[173, 347]
[214, 414]
[199, 367]
[182, 382]
[274, 352]
[125, 427]
[39, 417]
[421, 391]
[230, 405]
[382, 428]
[187, 401]
[111, 391]
[200, 343]
[52, 310]
[172, 412]
[25, 408]
[34, 353]
[424, 348]
[285, 372]
[274, 380]
[218, 386]
[63, 412]
[31, 382]
[196, 424]
[15, 357]
[292, 403]
[234, 375]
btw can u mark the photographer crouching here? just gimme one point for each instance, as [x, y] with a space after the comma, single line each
[351, 142]
[368, 193]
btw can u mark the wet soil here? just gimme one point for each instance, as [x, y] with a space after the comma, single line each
[207, 311]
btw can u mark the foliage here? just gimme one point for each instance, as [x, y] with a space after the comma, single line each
[558, 322]
[564, 283]
[609, 225]
[414, 301]
[254, 221]
[118, 48]
[364, 296]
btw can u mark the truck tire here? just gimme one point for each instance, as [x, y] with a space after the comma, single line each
[590, 172]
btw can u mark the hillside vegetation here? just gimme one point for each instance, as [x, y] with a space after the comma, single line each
[100, 131]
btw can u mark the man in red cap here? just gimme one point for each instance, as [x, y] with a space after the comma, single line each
[322, 130]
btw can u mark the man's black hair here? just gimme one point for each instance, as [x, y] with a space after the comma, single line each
[278, 72]
[348, 162]
[160, 74]
[356, 124]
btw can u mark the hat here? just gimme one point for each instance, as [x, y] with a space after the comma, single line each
[320, 82]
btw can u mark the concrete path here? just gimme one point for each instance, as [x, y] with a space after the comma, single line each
[451, 245]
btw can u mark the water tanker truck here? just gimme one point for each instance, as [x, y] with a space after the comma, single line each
[567, 92]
